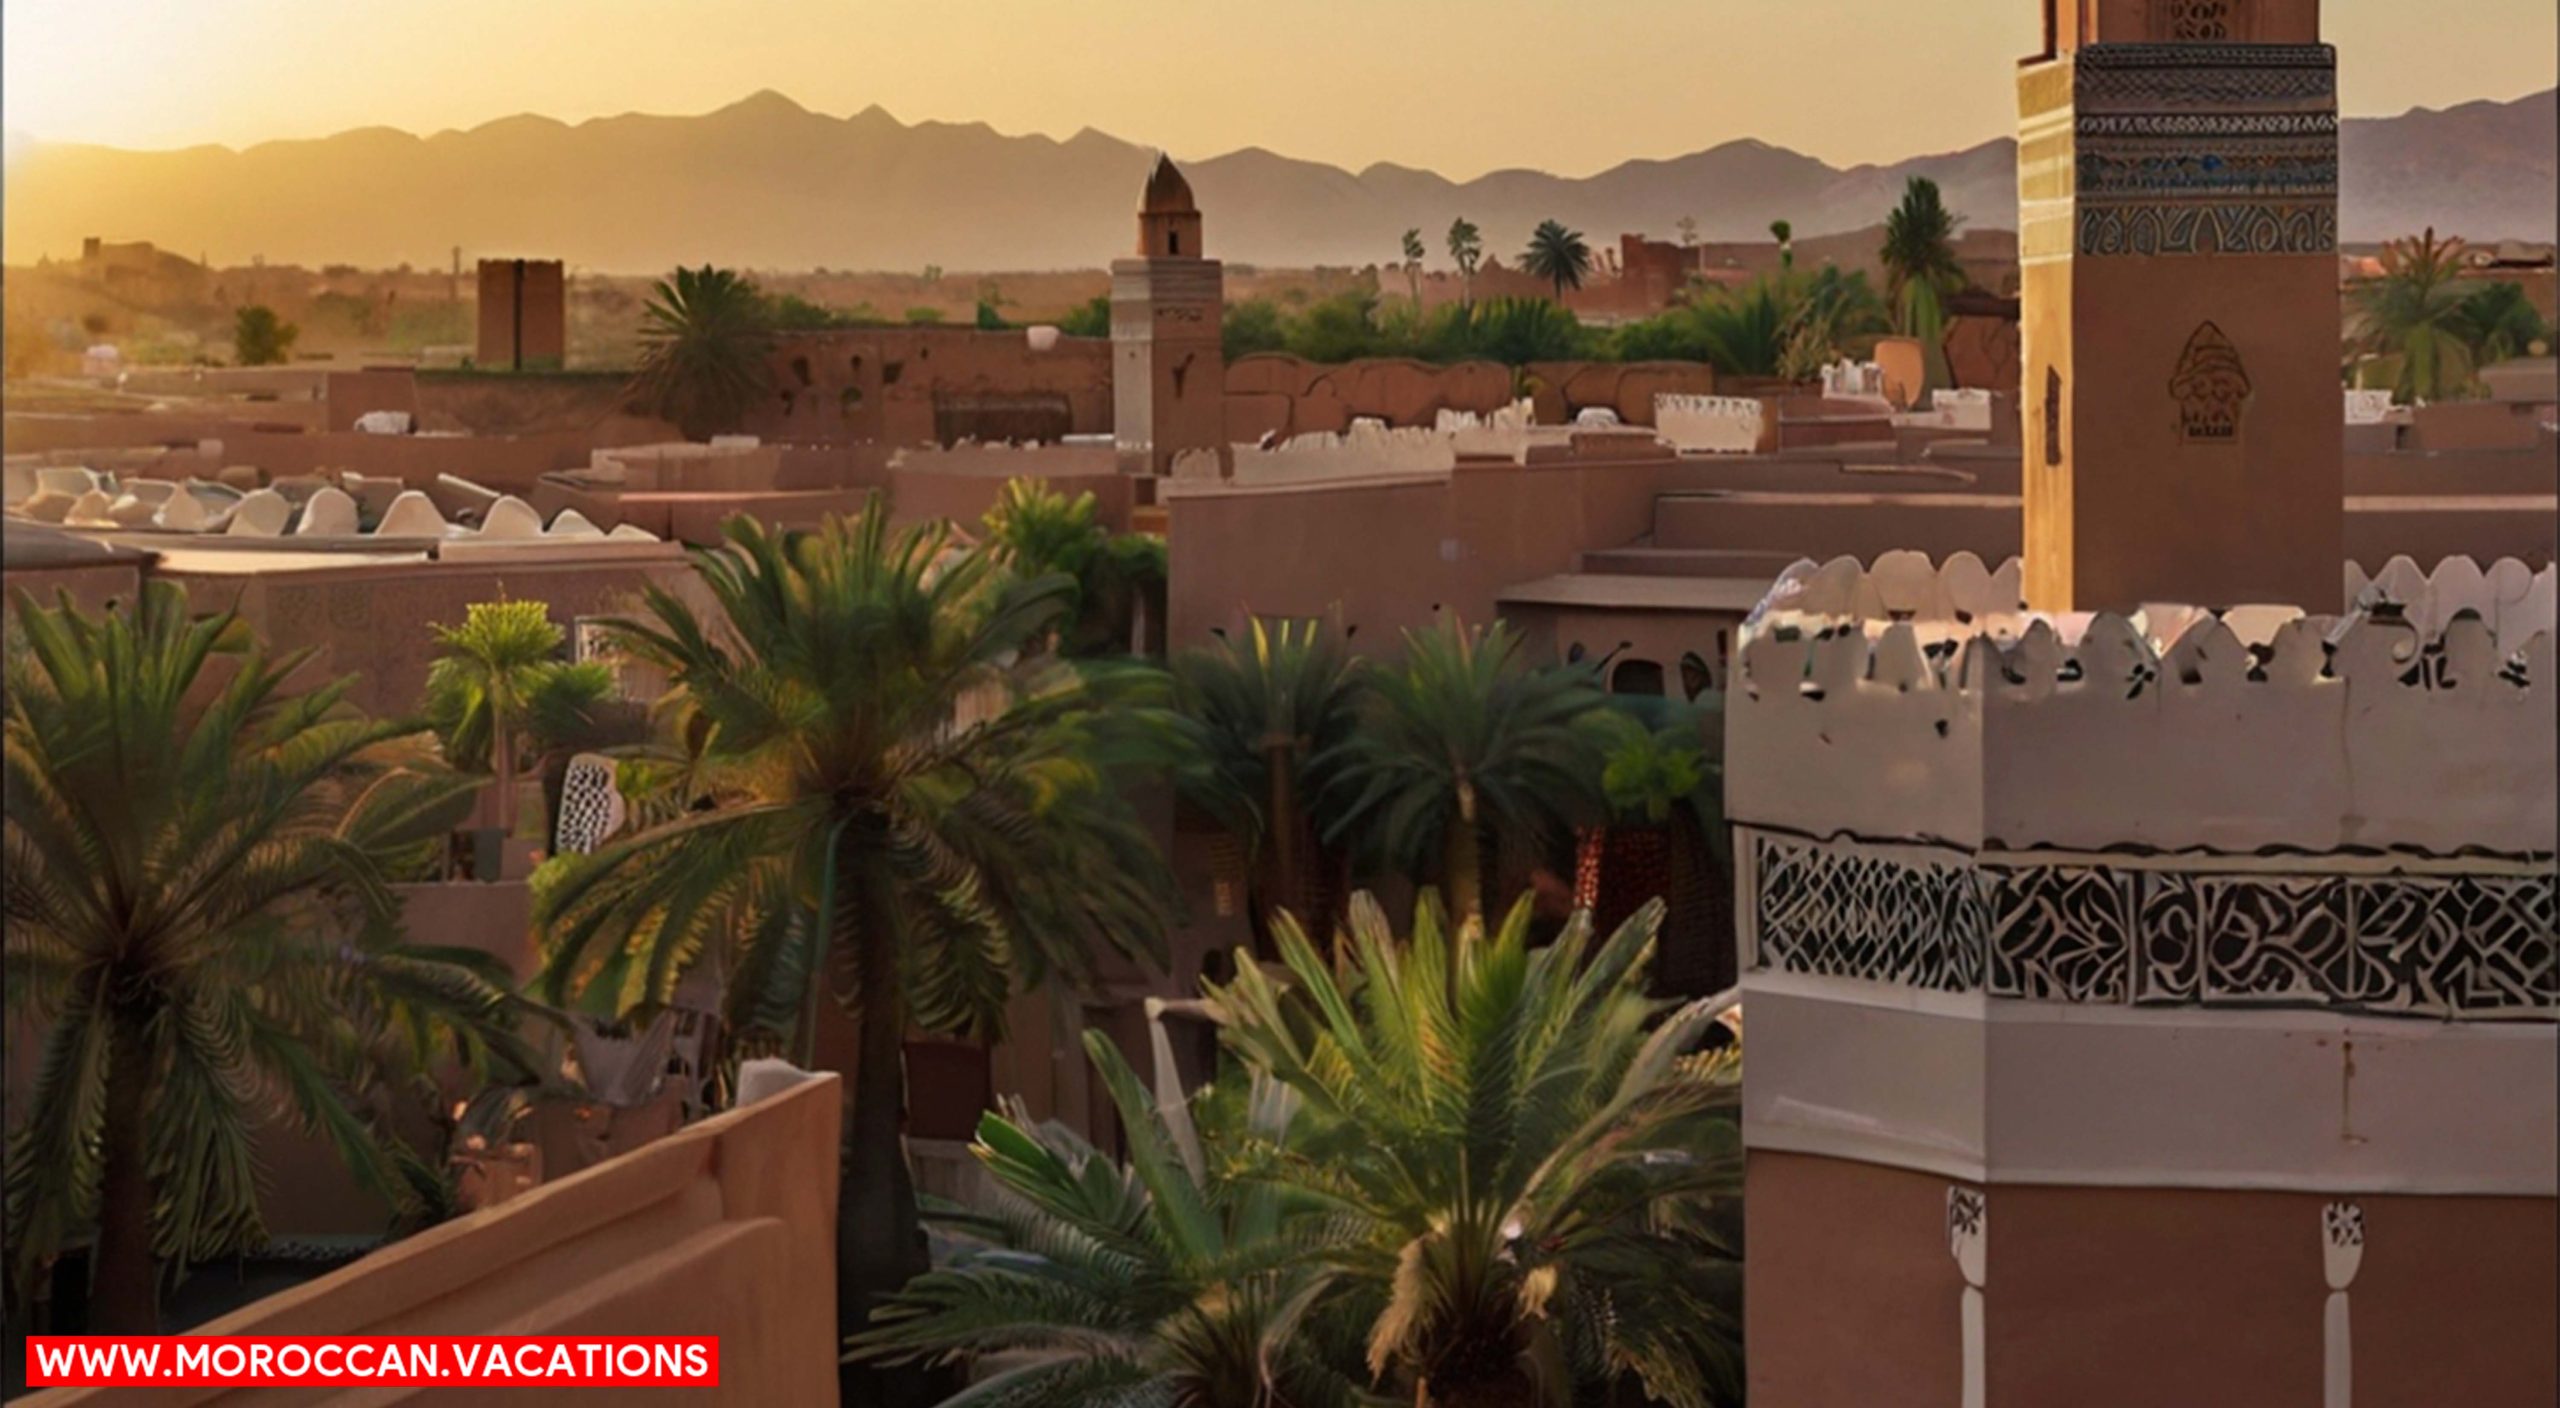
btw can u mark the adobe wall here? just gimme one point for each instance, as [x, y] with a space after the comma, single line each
[726, 1228]
[884, 384]
[1279, 394]
[2136, 1296]
[1824, 522]
[373, 619]
[348, 395]
[921, 495]
[90, 587]
[1388, 554]
[1563, 390]
[1659, 637]
[535, 403]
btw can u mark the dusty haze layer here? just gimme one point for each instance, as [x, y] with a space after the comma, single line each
[767, 183]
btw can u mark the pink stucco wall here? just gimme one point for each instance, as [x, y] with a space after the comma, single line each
[726, 1228]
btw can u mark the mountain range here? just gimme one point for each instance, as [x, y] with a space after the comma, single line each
[766, 183]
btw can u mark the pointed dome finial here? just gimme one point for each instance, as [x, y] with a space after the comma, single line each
[1167, 193]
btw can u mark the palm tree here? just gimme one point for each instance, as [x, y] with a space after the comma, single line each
[1742, 332]
[2500, 322]
[910, 799]
[1466, 249]
[1168, 1279]
[1035, 530]
[1785, 234]
[1262, 709]
[202, 937]
[573, 708]
[1920, 270]
[1413, 265]
[1557, 255]
[1661, 769]
[706, 333]
[1534, 1169]
[1463, 749]
[2413, 315]
[1829, 307]
[1919, 255]
[498, 684]
[1512, 331]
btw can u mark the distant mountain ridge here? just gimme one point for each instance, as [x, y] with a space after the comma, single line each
[766, 183]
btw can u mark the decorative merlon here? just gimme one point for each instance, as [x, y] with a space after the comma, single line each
[1903, 703]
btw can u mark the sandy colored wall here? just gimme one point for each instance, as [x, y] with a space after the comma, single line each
[1849, 1294]
[91, 587]
[2157, 517]
[884, 384]
[726, 1228]
[1660, 637]
[373, 621]
[1388, 555]
[921, 496]
[2130, 1298]
[1279, 394]
[534, 403]
[352, 394]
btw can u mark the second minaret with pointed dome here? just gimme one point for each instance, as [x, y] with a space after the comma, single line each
[1168, 374]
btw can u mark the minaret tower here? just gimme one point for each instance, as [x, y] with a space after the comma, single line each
[2153, 993]
[1168, 376]
[2178, 203]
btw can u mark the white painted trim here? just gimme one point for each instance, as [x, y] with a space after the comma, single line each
[1866, 992]
[1803, 1134]
[2005, 1091]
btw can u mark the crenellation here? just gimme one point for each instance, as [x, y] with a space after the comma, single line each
[2236, 732]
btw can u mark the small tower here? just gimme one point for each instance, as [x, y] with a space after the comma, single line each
[1168, 376]
[1168, 219]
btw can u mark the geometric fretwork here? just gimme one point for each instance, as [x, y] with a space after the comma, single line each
[2061, 934]
[2465, 945]
[1858, 915]
[591, 806]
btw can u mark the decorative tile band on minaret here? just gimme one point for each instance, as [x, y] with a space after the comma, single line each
[2178, 242]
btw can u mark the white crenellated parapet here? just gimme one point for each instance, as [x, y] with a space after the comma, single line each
[1721, 425]
[1962, 408]
[1504, 434]
[1366, 449]
[78, 497]
[1864, 705]
[1845, 380]
[1945, 600]
[2516, 601]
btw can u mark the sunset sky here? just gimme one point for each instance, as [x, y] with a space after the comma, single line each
[1460, 86]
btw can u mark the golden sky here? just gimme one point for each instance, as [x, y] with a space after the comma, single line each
[1458, 86]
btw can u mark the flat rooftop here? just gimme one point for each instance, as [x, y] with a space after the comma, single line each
[1632, 591]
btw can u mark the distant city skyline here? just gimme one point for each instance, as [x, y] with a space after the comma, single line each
[1460, 87]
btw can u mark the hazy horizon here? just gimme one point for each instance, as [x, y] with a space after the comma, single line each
[1629, 80]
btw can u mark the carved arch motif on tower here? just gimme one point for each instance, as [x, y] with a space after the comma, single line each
[2200, 21]
[2210, 387]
